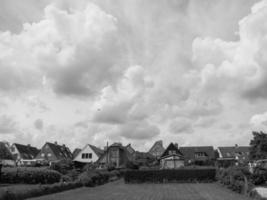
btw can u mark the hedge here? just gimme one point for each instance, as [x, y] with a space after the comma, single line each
[87, 179]
[29, 175]
[172, 175]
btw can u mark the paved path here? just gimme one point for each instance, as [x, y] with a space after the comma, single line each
[120, 191]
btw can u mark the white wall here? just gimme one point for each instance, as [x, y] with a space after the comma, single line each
[86, 149]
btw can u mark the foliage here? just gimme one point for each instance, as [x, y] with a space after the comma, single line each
[258, 146]
[9, 194]
[4, 152]
[63, 166]
[172, 175]
[29, 175]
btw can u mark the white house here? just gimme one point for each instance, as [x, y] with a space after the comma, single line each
[171, 158]
[89, 154]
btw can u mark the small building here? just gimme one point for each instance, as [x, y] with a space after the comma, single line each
[198, 155]
[157, 149]
[6, 158]
[233, 155]
[53, 152]
[171, 158]
[116, 156]
[89, 154]
[24, 154]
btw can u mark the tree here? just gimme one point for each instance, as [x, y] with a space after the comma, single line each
[258, 146]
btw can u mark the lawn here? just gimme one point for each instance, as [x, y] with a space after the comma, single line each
[120, 191]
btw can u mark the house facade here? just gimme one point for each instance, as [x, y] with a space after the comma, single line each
[53, 152]
[198, 155]
[157, 149]
[24, 155]
[116, 156]
[171, 158]
[233, 155]
[89, 154]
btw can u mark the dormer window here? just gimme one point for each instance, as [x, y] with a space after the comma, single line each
[200, 154]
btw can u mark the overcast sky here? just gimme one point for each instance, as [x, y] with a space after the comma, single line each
[133, 71]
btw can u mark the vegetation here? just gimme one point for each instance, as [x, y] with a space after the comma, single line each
[173, 175]
[258, 146]
[29, 175]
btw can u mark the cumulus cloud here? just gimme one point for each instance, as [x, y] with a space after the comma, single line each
[38, 124]
[138, 130]
[181, 126]
[7, 124]
[236, 66]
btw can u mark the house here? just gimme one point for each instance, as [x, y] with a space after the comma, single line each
[157, 149]
[53, 152]
[130, 149]
[198, 155]
[6, 158]
[233, 155]
[24, 154]
[171, 158]
[116, 156]
[89, 154]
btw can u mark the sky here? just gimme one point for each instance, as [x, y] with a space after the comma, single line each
[185, 71]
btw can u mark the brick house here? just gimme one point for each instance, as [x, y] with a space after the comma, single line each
[171, 158]
[116, 156]
[53, 152]
[24, 154]
[198, 155]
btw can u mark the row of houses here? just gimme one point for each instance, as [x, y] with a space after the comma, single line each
[117, 155]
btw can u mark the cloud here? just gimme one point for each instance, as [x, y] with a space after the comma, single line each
[259, 121]
[237, 67]
[138, 130]
[7, 124]
[38, 124]
[181, 126]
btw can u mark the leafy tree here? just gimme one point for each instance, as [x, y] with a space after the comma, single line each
[258, 146]
[4, 152]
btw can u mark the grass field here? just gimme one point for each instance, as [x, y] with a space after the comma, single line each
[120, 191]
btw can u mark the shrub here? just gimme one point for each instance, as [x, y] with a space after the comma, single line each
[30, 175]
[172, 175]
[63, 166]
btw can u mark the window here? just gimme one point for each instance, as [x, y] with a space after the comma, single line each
[200, 154]
[172, 152]
[83, 155]
[90, 155]
[49, 155]
[42, 154]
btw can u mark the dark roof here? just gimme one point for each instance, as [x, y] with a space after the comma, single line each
[233, 151]
[189, 151]
[99, 152]
[157, 143]
[171, 147]
[76, 152]
[26, 151]
[130, 149]
[5, 154]
[60, 151]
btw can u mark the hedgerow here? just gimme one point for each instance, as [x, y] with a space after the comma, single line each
[29, 175]
[172, 175]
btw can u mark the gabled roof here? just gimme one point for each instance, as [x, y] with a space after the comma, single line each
[172, 148]
[130, 149]
[76, 152]
[189, 151]
[5, 154]
[99, 152]
[60, 151]
[233, 151]
[26, 151]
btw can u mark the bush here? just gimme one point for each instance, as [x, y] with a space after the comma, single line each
[237, 179]
[30, 175]
[173, 175]
[63, 166]
[38, 191]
